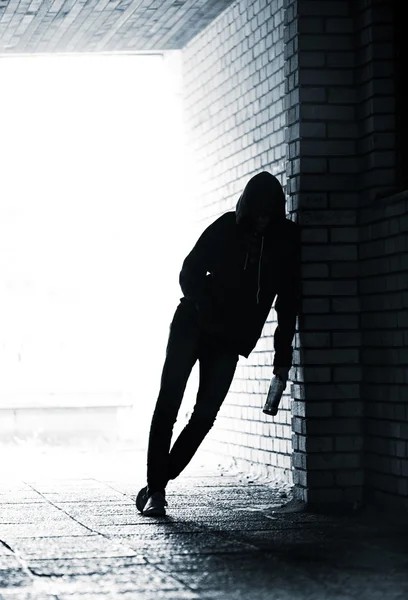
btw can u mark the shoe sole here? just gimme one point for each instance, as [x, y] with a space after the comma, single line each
[140, 501]
[154, 512]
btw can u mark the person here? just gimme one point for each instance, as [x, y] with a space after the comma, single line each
[239, 265]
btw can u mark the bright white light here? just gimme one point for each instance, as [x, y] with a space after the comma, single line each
[91, 237]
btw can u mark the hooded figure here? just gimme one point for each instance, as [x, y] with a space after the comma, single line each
[230, 279]
[240, 264]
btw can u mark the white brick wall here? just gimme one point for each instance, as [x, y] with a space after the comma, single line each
[235, 117]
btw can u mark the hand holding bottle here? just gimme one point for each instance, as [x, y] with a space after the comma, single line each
[276, 389]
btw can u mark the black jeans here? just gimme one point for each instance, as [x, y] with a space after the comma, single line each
[187, 343]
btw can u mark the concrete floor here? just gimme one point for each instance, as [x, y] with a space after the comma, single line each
[69, 530]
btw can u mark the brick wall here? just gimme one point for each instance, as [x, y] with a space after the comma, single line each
[376, 102]
[384, 301]
[334, 60]
[322, 174]
[342, 136]
[383, 255]
[235, 117]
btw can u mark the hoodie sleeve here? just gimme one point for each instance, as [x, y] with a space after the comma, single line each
[196, 265]
[287, 304]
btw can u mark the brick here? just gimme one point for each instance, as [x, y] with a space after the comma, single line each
[344, 234]
[379, 160]
[298, 408]
[342, 130]
[299, 425]
[350, 478]
[347, 339]
[342, 95]
[320, 479]
[341, 59]
[313, 130]
[325, 42]
[345, 252]
[299, 460]
[314, 200]
[344, 200]
[325, 112]
[342, 305]
[321, 8]
[330, 288]
[344, 270]
[315, 271]
[327, 181]
[300, 477]
[346, 460]
[331, 356]
[292, 133]
[310, 25]
[319, 322]
[315, 95]
[319, 444]
[311, 59]
[313, 340]
[327, 217]
[328, 77]
[315, 374]
[328, 147]
[348, 443]
[351, 406]
[315, 235]
[339, 25]
[344, 165]
[316, 305]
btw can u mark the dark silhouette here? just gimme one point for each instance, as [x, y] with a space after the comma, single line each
[230, 279]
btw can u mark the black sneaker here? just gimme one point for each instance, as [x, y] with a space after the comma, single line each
[141, 499]
[155, 506]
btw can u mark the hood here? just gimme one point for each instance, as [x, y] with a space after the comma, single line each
[263, 195]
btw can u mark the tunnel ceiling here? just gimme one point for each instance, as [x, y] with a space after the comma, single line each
[37, 26]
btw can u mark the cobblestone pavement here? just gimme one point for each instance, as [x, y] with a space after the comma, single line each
[69, 530]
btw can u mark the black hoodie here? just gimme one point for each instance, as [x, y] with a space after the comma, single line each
[232, 275]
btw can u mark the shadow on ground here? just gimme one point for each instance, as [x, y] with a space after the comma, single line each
[69, 529]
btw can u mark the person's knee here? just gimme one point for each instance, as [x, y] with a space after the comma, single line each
[203, 419]
[165, 412]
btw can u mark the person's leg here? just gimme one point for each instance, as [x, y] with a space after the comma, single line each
[217, 369]
[181, 355]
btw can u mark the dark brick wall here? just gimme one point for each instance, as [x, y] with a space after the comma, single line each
[376, 102]
[323, 172]
[384, 302]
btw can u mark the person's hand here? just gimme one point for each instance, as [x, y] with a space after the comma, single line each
[283, 373]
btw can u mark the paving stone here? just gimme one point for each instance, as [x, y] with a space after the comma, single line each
[28, 513]
[197, 543]
[73, 546]
[84, 566]
[146, 528]
[61, 528]
[141, 578]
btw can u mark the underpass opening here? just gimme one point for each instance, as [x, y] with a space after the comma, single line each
[93, 228]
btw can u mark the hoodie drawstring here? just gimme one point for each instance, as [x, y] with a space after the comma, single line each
[259, 272]
[259, 268]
